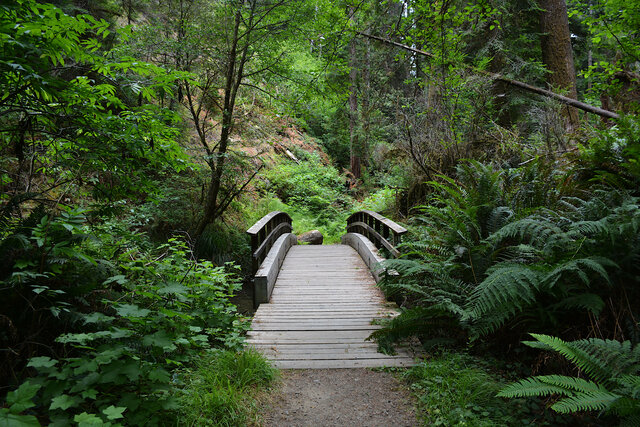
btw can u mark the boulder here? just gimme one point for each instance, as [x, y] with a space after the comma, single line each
[313, 237]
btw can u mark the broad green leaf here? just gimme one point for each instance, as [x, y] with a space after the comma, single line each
[170, 404]
[119, 279]
[41, 362]
[173, 288]
[7, 419]
[85, 365]
[20, 399]
[160, 375]
[114, 413]
[131, 310]
[107, 356]
[89, 394]
[88, 420]
[159, 339]
[64, 402]
[97, 318]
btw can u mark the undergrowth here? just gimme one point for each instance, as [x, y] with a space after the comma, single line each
[455, 389]
[117, 320]
[222, 389]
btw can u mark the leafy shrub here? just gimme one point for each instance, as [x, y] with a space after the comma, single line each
[153, 313]
[48, 275]
[309, 184]
[612, 155]
[454, 389]
[331, 227]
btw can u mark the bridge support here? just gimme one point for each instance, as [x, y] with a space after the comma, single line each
[367, 251]
[265, 277]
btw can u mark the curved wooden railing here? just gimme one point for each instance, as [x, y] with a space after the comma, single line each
[264, 233]
[383, 232]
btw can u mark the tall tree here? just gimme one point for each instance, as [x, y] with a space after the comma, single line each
[557, 53]
[355, 148]
[228, 46]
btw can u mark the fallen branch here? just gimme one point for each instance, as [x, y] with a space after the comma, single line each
[544, 92]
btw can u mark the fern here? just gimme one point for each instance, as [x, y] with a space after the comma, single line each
[537, 231]
[549, 384]
[590, 302]
[580, 268]
[586, 402]
[507, 285]
[498, 217]
[589, 364]
[415, 321]
[612, 365]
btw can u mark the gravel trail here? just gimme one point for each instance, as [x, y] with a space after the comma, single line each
[339, 397]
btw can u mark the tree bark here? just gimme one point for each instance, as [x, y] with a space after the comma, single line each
[354, 145]
[232, 82]
[557, 53]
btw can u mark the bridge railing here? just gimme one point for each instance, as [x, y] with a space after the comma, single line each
[383, 232]
[264, 233]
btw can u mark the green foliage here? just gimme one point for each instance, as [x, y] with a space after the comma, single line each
[75, 113]
[309, 184]
[331, 227]
[220, 391]
[484, 261]
[454, 389]
[19, 401]
[147, 314]
[612, 365]
[611, 27]
[49, 274]
[612, 155]
[314, 194]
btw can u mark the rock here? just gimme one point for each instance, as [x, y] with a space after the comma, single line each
[313, 237]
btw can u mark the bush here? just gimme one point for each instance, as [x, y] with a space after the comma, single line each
[613, 367]
[309, 185]
[454, 389]
[486, 262]
[126, 335]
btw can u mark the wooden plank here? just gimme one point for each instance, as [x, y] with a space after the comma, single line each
[255, 228]
[313, 328]
[311, 335]
[343, 364]
[317, 348]
[302, 316]
[396, 228]
[321, 313]
[371, 355]
[316, 322]
[323, 342]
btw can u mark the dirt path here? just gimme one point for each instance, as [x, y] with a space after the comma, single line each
[340, 397]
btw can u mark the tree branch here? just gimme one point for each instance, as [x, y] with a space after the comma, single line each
[544, 92]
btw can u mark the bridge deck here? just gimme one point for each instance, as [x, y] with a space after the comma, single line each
[321, 311]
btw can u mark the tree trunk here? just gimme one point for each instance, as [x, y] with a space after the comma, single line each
[557, 53]
[353, 112]
[232, 81]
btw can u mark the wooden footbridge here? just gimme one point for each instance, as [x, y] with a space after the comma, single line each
[318, 304]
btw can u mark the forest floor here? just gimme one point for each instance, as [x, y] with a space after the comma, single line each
[340, 397]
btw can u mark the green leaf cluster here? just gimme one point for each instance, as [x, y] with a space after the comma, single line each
[77, 114]
[146, 315]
